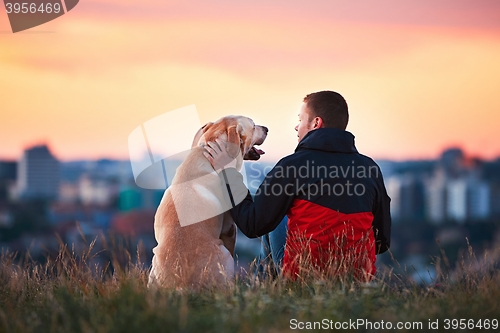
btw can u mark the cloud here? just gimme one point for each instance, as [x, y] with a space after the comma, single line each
[483, 14]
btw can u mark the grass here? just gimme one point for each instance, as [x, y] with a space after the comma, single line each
[70, 293]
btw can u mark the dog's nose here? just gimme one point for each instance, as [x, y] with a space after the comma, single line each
[265, 129]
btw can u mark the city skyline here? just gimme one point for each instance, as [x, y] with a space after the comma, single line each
[418, 76]
[468, 155]
[454, 187]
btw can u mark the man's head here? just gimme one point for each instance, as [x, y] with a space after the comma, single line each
[323, 109]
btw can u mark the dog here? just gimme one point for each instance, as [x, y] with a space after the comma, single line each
[195, 233]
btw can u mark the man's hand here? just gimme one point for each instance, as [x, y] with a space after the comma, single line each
[216, 153]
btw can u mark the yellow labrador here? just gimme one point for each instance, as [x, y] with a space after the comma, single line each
[195, 233]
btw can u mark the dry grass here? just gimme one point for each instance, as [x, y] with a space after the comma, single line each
[72, 294]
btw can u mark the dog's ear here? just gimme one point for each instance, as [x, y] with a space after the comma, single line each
[233, 140]
[206, 126]
[200, 132]
[245, 141]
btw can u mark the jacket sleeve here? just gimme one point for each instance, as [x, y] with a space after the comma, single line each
[382, 217]
[263, 213]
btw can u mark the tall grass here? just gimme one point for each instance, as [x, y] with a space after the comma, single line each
[70, 293]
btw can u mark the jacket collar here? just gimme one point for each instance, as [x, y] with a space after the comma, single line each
[328, 139]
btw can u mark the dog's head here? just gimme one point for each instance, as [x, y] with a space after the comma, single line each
[240, 132]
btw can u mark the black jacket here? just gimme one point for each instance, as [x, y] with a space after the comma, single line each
[325, 177]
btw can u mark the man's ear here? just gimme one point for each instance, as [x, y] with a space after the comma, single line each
[317, 122]
[233, 141]
[200, 132]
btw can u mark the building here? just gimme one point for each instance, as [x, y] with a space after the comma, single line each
[95, 190]
[453, 162]
[495, 200]
[478, 200]
[135, 198]
[456, 203]
[92, 215]
[8, 170]
[8, 175]
[407, 197]
[38, 174]
[6, 218]
[468, 199]
[436, 198]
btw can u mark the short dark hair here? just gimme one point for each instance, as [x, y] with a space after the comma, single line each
[330, 106]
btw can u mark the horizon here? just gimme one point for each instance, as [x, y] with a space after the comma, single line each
[468, 156]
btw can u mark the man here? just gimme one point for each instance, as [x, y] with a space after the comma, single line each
[334, 197]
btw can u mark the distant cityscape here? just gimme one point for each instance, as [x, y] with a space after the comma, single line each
[41, 196]
[454, 188]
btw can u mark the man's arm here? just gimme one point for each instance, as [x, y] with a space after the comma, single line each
[262, 214]
[254, 216]
[382, 218]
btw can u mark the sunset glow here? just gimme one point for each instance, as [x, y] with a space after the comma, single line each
[417, 78]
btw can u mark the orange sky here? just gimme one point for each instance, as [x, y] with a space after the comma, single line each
[418, 77]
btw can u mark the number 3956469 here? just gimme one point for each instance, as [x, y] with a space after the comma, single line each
[33, 8]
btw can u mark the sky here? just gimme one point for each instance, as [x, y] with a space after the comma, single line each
[418, 76]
